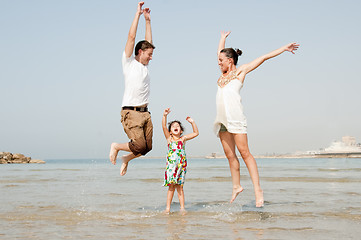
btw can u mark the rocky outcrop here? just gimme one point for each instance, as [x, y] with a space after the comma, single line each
[6, 157]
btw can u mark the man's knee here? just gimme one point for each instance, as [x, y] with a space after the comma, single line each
[146, 150]
[148, 145]
[139, 147]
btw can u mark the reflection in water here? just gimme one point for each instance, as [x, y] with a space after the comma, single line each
[176, 225]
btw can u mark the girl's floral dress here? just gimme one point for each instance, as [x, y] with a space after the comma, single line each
[176, 163]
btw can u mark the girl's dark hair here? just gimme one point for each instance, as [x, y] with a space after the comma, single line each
[232, 53]
[175, 121]
[144, 45]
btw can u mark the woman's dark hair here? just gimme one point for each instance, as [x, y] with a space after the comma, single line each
[175, 121]
[232, 53]
[144, 45]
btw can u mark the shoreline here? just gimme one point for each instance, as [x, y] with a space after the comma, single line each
[285, 156]
[276, 156]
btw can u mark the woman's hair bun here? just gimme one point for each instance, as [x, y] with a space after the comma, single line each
[238, 51]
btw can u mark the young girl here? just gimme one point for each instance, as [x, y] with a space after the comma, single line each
[176, 158]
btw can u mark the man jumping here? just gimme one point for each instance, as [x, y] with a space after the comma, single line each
[135, 117]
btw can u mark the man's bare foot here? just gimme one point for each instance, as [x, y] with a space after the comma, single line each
[167, 211]
[126, 159]
[123, 169]
[259, 198]
[235, 193]
[113, 153]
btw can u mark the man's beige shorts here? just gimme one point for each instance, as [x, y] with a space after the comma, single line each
[139, 128]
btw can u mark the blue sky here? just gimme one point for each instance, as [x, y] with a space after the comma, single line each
[62, 83]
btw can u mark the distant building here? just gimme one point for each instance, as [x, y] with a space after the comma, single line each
[345, 148]
[215, 155]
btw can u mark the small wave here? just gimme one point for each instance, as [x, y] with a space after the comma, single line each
[151, 180]
[245, 216]
[344, 215]
[30, 180]
[353, 193]
[13, 181]
[57, 169]
[115, 194]
[310, 179]
[11, 185]
[339, 169]
[211, 179]
[290, 229]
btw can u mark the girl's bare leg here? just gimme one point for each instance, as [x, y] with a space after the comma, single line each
[228, 144]
[180, 197]
[170, 195]
[115, 148]
[242, 145]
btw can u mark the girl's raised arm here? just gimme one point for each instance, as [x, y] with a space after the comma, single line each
[195, 132]
[249, 67]
[164, 123]
[222, 41]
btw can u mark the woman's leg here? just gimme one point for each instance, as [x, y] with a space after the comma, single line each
[228, 144]
[180, 196]
[242, 145]
[170, 195]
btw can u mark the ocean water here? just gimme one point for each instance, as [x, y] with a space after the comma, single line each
[88, 199]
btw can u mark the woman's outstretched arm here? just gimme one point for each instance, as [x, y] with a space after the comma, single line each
[222, 41]
[249, 67]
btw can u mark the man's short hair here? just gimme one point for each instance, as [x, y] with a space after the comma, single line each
[144, 45]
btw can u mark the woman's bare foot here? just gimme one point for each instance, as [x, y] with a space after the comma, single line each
[166, 211]
[235, 193]
[259, 198]
[113, 153]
